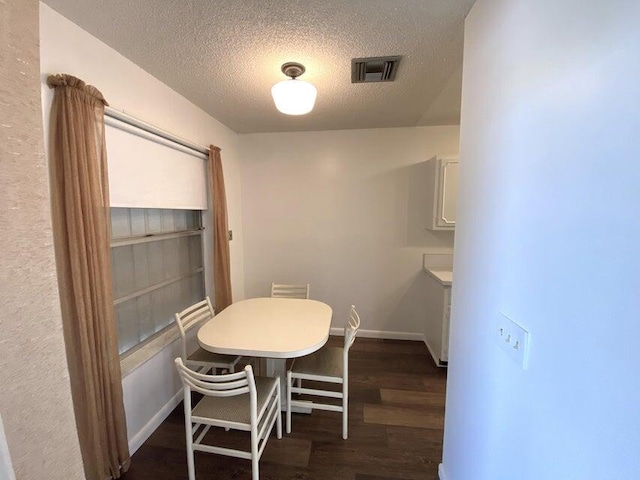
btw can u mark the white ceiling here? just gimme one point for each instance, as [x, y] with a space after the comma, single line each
[225, 55]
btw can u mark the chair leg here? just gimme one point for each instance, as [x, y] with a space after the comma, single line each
[229, 369]
[191, 464]
[345, 410]
[289, 383]
[299, 384]
[279, 412]
[191, 467]
[255, 459]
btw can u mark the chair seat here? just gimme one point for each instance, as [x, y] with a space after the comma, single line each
[236, 408]
[203, 356]
[325, 362]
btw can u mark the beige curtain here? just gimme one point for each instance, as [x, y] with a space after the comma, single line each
[221, 257]
[80, 206]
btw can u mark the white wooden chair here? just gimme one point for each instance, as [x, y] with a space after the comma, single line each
[290, 291]
[329, 364]
[201, 360]
[236, 401]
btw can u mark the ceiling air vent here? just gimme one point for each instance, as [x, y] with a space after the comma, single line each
[374, 69]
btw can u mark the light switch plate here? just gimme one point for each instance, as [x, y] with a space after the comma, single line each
[513, 339]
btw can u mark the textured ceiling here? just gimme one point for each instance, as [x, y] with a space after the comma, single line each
[225, 55]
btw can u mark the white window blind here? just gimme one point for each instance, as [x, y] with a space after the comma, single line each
[147, 171]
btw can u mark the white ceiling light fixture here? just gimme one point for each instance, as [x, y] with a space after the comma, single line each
[294, 97]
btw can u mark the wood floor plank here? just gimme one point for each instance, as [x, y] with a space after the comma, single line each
[403, 416]
[288, 451]
[373, 460]
[435, 384]
[408, 397]
[383, 379]
[363, 476]
[426, 441]
[391, 346]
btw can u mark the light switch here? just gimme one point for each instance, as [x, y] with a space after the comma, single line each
[513, 339]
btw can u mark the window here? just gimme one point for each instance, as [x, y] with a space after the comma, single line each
[157, 269]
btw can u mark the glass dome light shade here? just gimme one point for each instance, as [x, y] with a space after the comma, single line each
[294, 97]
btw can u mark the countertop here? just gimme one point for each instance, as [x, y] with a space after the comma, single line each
[444, 276]
[439, 266]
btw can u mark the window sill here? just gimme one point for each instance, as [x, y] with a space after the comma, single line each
[149, 350]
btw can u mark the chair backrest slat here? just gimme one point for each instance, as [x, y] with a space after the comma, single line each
[229, 377]
[290, 291]
[351, 329]
[200, 387]
[191, 317]
[194, 314]
[218, 386]
[227, 385]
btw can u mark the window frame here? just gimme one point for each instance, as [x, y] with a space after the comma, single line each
[143, 350]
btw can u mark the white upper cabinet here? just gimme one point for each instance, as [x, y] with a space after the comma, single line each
[442, 183]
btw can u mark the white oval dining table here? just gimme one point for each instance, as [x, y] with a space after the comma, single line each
[272, 328]
[268, 327]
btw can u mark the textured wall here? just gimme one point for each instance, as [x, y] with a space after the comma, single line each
[35, 399]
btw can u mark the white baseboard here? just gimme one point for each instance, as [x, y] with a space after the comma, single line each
[419, 337]
[436, 358]
[145, 432]
[441, 474]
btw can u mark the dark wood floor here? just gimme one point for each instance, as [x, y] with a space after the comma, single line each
[396, 416]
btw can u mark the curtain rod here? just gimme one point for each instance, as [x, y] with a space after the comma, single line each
[147, 127]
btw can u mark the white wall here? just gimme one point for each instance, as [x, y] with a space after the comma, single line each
[343, 211]
[548, 233]
[65, 48]
[35, 395]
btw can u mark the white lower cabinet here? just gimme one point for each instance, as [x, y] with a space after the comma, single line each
[437, 321]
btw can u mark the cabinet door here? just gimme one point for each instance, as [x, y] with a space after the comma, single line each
[447, 193]
[436, 333]
[445, 325]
